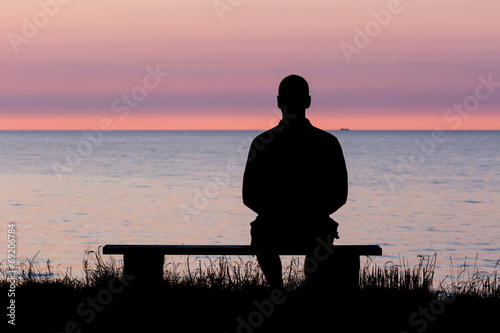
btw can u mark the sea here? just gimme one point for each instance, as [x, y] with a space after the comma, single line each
[415, 193]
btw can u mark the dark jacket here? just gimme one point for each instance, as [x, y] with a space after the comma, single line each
[295, 171]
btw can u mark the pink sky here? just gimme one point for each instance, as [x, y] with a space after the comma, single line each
[224, 74]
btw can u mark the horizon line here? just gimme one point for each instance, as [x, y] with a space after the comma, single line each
[258, 129]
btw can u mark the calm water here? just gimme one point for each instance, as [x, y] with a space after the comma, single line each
[412, 192]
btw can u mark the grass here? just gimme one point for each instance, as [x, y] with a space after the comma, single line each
[400, 277]
[225, 294]
[470, 281]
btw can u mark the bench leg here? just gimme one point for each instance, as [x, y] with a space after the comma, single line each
[339, 273]
[147, 268]
[348, 271]
[342, 272]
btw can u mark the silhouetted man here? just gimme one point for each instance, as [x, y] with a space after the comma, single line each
[295, 177]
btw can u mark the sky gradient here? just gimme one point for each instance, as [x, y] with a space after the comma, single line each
[85, 64]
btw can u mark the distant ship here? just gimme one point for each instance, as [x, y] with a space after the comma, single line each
[344, 129]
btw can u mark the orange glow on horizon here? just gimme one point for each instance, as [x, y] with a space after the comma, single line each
[221, 121]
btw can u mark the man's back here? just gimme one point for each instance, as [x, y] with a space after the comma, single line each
[295, 170]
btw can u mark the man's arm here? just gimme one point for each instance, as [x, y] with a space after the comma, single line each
[335, 181]
[340, 181]
[251, 179]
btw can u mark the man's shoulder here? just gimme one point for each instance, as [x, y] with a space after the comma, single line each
[270, 134]
[262, 135]
[324, 135]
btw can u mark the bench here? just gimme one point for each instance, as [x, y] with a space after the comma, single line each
[145, 262]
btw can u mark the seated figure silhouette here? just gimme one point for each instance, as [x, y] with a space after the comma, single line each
[295, 177]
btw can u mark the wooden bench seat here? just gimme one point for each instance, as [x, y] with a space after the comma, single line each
[145, 262]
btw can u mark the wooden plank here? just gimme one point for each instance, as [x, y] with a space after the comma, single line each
[369, 250]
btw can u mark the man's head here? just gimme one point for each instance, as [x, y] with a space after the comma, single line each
[293, 95]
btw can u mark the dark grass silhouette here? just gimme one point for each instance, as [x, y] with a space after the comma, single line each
[224, 295]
